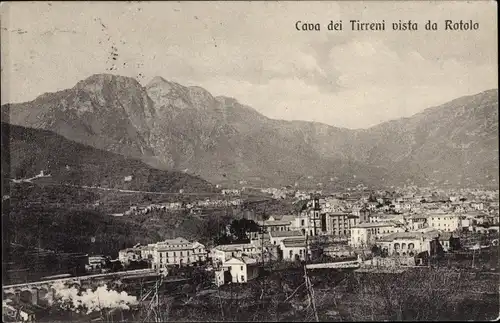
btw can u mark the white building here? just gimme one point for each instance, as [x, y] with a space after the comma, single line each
[178, 251]
[278, 236]
[365, 234]
[412, 243]
[339, 223]
[417, 222]
[294, 248]
[96, 262]
[125, 256]
[272, 224]
[222, 253]
[405, 243]
[237, 270]
[444, 222]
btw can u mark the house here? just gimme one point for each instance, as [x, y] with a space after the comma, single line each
[178, 251]
[365, 234]
[237, 270]
[444, 222]
[278, 236]
[416, 242]
[405, 243]
[96, 263]
[147, 251]
[271, 225]
[417, 222]
[125, 256]
[478, 206]
[222, 253]
[294, 248]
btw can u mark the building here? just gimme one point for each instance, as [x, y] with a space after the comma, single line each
[338, 223]
[314, 216]
[444, 222]
[125, 256]
[222, 253]
[278, 236]
[302, 223]
[96, 262]
[272, 225]
[178, 251]
[416, 242]
[405, 243]
[339, 251]
[147, 251]
[364, 215]
[365, 234]
[382, 217]
[417, 222]
[291, 249]
[237, 270]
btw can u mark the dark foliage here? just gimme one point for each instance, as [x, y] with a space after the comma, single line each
[240, 228]
[33, 150]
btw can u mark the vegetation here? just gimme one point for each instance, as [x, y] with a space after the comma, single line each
[33, 150]
[418, 294]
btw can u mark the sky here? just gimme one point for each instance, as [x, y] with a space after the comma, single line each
[252, 51]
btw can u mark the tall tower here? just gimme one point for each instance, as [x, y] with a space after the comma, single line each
[315, 215]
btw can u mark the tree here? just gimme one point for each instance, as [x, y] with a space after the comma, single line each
[240, 228]
[376, 250]
[222, 238]
[300, 206]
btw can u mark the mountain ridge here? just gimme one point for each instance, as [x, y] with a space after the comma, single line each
[186, 128]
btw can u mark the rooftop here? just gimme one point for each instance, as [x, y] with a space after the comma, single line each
[175, 241]
[244, 259]
[373, 225]
[294, 242]
[417, 235]
[280, 234]
[275, 222]
[234, 247]
[283, 217]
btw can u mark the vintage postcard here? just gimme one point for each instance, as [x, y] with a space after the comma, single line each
[249, 161]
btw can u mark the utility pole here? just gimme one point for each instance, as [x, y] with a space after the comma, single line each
[473, 256]
[262, 240]
[310, 293]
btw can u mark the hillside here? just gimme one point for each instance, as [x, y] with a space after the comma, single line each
[455, 143]
[170, 126]
[34, 150]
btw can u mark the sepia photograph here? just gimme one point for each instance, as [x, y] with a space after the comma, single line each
[254, 161]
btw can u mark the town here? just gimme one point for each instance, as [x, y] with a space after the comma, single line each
[357, 230]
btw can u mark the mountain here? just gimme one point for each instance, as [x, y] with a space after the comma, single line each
[455, 143]
[105, 111]
[171, 126]
[33, 150]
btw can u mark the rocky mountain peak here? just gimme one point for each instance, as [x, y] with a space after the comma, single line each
[169, 94]
[98, 81]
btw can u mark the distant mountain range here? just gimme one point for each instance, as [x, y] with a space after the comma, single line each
[170, 126]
